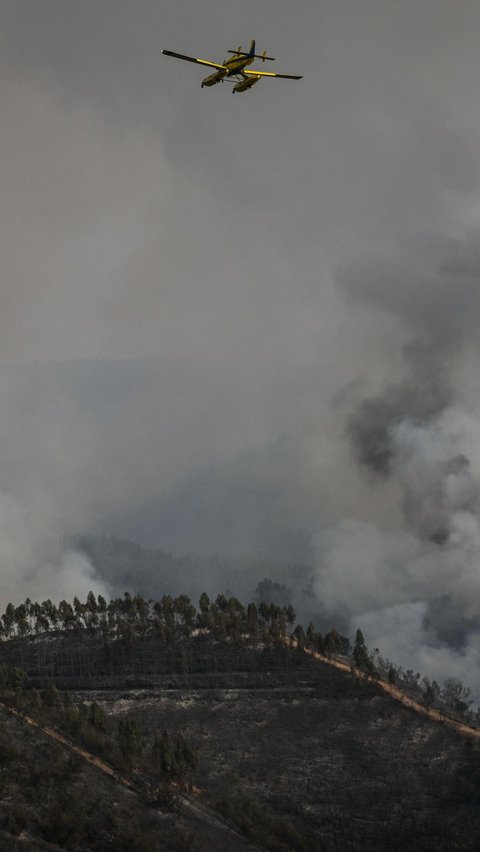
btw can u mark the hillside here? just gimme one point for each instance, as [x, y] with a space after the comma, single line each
[228, 741]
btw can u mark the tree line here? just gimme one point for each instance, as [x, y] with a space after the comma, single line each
[133, 619]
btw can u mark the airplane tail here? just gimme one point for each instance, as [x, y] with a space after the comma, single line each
[251, 52]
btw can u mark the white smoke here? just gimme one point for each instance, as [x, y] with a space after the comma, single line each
[403, 636]
[383, 579]
[34, 562]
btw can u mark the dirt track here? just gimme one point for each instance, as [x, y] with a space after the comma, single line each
[399, 695]
[190, 806]
[59, 738]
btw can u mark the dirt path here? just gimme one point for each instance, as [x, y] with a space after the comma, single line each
[399, 695]
[59, 738]
[190, 806]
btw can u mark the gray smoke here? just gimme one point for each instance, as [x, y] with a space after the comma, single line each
[418, 442]
[168, 284]
[370, 425]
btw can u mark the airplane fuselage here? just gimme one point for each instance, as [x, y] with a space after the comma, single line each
[233, 66]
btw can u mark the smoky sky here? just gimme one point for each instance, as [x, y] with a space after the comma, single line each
[143, 216]
[243, 325]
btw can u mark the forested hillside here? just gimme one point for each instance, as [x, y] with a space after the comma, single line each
[222, 723]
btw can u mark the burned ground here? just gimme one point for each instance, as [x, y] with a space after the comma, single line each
[343, 764]
[292, 753]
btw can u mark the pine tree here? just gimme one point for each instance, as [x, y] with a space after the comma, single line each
[299, 634]
[361, 655]
[96, 717]
[129, 739]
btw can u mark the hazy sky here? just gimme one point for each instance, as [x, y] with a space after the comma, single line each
[144, 216]
[224, 319]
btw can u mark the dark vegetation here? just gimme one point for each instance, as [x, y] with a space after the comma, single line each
[51, 799]
[287, 753]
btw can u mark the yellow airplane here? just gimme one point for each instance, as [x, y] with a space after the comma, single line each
[235, 68]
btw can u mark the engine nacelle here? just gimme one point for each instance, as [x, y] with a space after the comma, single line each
[245, 84]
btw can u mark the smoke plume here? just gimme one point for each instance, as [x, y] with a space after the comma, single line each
[34, 562]
[419, 440]
[184, 307]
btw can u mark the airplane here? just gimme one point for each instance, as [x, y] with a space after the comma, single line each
[235, 68]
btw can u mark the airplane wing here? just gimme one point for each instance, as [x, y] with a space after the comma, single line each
[251, 73]
[194, 59]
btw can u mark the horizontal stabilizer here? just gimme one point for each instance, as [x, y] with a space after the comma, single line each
[256, 55]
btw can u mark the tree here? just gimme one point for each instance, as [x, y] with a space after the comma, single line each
[186, 613]
[66, 614]
[129, 739]
[90, 611]
[8, 619]
[204, 605]
[278, 622]
[50, 612]
[221, 602]
[271, 592]
[128, 607]
[311, 635]
[101, 605]
[142, 616]
[21, 621]
[431, 691]
[12, 678]
[264, 612]
[361, 655]
[79, 609]
[411, 678]
[252, 618]
[185, 757]
[162, 755]
[167, 610]
[457, 696]
[299, 634]
[290, 614]
[332, 641]
[236, 617]
[96, 717]
[51, 696]
[173, 759]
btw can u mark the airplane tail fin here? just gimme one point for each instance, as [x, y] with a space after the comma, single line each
[251, 52]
